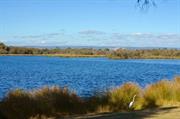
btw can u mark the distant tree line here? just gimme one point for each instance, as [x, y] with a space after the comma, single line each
[145, 54]
[110, 53]
[76, 51]
[18, 50]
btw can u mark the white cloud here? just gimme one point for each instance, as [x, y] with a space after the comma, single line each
[43, 42]
[92, 32]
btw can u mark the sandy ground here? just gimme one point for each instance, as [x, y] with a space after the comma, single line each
[163, 113]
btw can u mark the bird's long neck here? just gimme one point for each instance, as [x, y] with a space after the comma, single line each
[134, 98]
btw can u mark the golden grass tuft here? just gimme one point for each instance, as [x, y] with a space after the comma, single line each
[41, 117]
[119, 98]
[19, 104]
[162, 93]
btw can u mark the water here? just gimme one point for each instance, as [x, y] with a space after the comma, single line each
[83, 75]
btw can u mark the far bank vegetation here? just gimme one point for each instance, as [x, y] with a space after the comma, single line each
[92, 52]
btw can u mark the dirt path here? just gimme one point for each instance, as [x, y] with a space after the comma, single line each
[163, 113]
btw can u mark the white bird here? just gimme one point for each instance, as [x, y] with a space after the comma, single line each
[132, 102]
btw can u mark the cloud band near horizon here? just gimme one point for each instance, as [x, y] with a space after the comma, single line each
[96, 38]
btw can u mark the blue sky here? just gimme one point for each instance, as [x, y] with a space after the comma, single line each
[89, 23]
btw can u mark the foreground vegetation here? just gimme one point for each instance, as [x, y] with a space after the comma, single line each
[90, 52]
[58, 102]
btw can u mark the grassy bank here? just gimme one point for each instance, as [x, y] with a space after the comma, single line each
[57, 55]
[73, 55]
[93, 56]
[57, 102]
[146, 57]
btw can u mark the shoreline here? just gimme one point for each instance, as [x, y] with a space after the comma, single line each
[54, 55]
[88, 56]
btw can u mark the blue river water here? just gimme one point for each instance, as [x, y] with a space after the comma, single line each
[85, 76]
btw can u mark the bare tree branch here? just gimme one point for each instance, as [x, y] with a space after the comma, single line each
[144, 4]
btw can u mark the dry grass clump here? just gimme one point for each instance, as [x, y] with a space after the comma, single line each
[41, 117]
[119, 98]
[176, 87]
[116, 99]
[156, 94]
[19, 104]
[97, 103]
[59, 100]
[162, 93]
